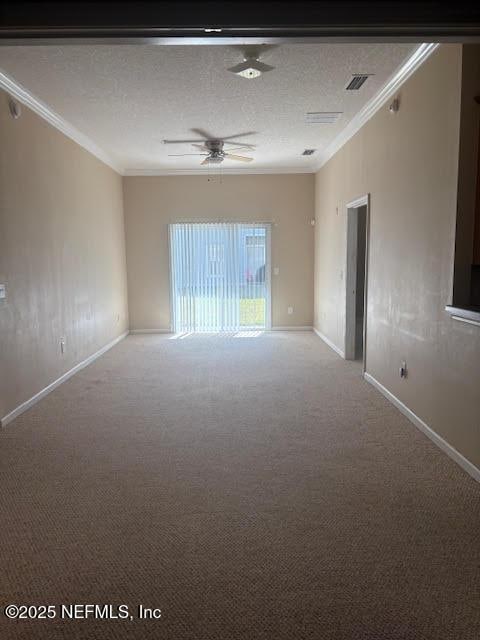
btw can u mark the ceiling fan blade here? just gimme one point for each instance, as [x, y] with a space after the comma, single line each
[181, 141]
[238, 143]
[240, 135]
[200, 146]
[178, 155]
[241, 66]
[261, 66]
[232, 156]
[244, 147]
[203, 134]
[205, 161]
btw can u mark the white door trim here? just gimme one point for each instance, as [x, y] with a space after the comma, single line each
[362, 201]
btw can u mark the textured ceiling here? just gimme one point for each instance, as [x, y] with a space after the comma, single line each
[128, 98]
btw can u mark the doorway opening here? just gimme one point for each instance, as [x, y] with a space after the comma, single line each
[220, 276]
[356, 279]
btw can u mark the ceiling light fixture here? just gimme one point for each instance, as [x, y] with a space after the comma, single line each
[251, 67]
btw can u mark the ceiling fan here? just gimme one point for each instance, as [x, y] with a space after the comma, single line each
[251, 66]
[212, 148]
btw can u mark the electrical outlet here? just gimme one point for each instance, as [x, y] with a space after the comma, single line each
[63, 345]
[403, 370]
[290, 311]
[117, 318]
[3, 291]
[276, 271]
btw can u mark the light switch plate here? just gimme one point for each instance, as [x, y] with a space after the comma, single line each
[3, 291]
[276, 271]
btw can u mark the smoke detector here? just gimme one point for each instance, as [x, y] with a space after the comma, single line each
[251, 67]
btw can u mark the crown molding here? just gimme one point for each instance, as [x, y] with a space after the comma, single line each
[421, 53]
[44, 111]
[418, 57]
[217, 173]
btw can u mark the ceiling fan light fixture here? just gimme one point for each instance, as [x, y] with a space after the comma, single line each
[212, 149]
[250, 68]
[249, 73]
[213, 159]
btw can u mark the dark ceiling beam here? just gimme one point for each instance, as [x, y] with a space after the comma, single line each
[174, 22]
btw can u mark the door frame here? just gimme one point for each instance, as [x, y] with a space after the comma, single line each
[351, 277]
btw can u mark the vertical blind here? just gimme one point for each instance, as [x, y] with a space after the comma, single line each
[220, 276]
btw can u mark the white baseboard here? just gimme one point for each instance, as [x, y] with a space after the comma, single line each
[41, 394]
[447, 448]
[292, 328]
[329, 343]
[134, 331]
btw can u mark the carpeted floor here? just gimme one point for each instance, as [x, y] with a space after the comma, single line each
[250, 488]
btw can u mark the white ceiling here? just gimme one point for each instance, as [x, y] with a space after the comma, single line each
[128, 98]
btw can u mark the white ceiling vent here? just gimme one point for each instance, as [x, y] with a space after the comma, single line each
[323, 117]
[357, 81]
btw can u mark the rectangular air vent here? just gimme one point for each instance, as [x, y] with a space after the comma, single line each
[308, 152]
[357, 81]
[323, 117]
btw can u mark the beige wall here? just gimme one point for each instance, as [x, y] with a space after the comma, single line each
[62, 255]
[152, 202]
[408, 163]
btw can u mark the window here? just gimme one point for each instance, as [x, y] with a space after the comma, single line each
[216, 260]
[219, 276]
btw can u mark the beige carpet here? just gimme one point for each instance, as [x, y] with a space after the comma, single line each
[252, 488]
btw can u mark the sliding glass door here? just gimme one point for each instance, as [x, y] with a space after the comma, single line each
[220, 276]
